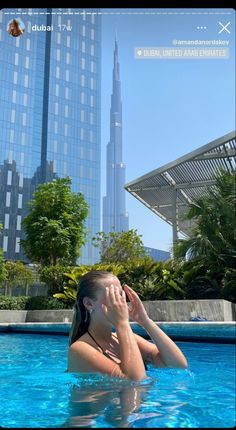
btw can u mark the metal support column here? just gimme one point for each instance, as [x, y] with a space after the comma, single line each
[174, 217]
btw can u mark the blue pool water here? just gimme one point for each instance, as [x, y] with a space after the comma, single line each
[36, 390]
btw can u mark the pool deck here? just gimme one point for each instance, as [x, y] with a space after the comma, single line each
[193, 331]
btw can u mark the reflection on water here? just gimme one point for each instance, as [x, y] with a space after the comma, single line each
[112, 402]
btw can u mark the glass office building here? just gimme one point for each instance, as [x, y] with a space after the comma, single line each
[157, 254]
[50, 85]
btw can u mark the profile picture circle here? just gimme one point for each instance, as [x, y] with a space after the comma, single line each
[15, 27]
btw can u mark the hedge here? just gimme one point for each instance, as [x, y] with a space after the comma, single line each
[31, 303]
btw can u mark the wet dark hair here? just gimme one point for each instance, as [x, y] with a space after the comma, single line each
[88, 286]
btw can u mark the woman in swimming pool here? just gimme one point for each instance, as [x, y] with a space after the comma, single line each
[93, 346]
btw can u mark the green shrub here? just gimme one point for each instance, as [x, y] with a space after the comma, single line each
[151, 280]
[42, 302]
[18, 273]
[54, 277]
[13, 303]
[31, 303]
[70, 288]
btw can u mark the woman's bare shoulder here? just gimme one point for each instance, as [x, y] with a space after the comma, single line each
[80, 343]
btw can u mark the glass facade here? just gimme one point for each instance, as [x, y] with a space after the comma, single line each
[49, 114]
[157, 254]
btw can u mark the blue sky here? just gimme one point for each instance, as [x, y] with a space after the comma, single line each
[170, 107]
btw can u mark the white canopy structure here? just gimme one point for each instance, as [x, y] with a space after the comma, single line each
[169, 190]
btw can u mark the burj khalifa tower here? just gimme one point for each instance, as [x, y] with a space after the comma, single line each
[115, 217]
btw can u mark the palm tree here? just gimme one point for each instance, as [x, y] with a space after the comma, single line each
[212, 240]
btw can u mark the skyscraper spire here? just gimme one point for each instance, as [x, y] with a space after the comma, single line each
[115, 217]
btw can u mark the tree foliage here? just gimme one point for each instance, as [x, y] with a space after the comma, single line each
[55, 225]
[3, 272]
[119, 247]
[18, 273]
[211, 245]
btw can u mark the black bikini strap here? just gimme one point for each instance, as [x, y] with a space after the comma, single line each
[96, 342]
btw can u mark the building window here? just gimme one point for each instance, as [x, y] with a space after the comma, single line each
[66, 111]
[91, 118]
[57, 72]
[11, 136]
[58, 37]
[17, 247]
[67, 93]
[25, 99]
[21, 178]
[92, 18]
[55, 127]
[24, 118]
[16, 59]
[14, 96]
[68, 41]
[28, 27]
[26, 62]
[58, 55]
[67, 75]
[56, 108]
[90, 173]
[91, 101]
[83, 63]
[56, 90]
[82, 115]
[15, 75]
[92, 66]
[81, 152]
[9, 177]
[26, 81]
[5, 243]
[18, 222]
[92, 84]
[10, 156]
[83, 46]
[92, 50]
[8, 199]
[28, 44]
[6, 221]
[81, 133]
[55, 145]
[20, 196]
[22, 159]
[67, 58]
[65, 168]
[65, 148]
[82, 97]
[83, 31]
[91, 136]
[81, 172]
[23, 135]
[17, 42]
[66, 129]
[82, 80]
[92, 34]
[13, 115]
[54, 163]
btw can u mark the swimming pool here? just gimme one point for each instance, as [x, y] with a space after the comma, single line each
[36, 390]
